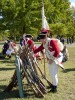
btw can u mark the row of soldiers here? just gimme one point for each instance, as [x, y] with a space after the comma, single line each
[9, 46]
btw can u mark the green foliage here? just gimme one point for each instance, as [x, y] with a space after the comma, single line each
[58, 28]
[24, 16]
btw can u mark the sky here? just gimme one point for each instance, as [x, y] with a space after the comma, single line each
[72, 3]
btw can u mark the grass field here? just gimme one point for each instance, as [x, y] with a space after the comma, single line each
[66, 86]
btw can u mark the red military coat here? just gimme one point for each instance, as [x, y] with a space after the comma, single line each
[52, 50]
[51, 45]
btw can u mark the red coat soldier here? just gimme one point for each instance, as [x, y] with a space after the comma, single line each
[30, 43]
[53, 55]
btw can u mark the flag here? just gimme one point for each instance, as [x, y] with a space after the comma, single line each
[45, 26]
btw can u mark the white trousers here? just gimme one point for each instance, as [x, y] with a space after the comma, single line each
[9, 52]
[53, 69]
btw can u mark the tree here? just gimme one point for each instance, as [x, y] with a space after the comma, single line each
[24, 16]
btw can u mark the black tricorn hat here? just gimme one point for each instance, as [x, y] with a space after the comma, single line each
[41, 36]
[28, 36]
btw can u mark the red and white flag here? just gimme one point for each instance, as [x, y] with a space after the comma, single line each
[45, 26]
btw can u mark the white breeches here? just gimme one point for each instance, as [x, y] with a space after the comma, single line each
[53, 68]
[9, 52]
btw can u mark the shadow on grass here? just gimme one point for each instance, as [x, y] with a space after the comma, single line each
[7, 61]
[1, 69]
[68, 70]
[5, 95]
[28, 93]
[11, 94]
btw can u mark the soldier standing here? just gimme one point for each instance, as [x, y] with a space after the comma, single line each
[53, 55]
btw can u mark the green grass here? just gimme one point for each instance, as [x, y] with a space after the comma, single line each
[66, 86]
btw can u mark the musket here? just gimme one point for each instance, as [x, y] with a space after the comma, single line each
[39, 69]
[43, 54]
[30, 81]
[35, 74]
[28, 76]
[34, 77]
[49, 83]
[39, 82]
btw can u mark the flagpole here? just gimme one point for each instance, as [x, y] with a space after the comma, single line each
[43, 23]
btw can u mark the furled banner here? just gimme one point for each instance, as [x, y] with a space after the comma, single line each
[45, 25]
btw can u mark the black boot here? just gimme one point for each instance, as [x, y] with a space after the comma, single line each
[53, 89]
[9, 56]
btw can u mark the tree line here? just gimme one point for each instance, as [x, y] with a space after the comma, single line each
[24, 16]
